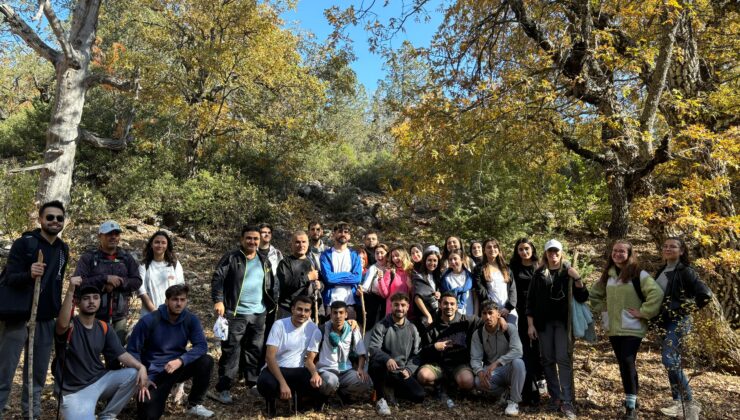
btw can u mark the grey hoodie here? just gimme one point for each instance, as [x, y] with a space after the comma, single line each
[398, 342]
[495, 347]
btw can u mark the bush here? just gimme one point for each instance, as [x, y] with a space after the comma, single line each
[16, 199]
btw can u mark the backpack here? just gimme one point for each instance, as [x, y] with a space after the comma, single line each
[638, 290]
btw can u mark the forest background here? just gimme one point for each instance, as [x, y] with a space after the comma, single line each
[577, 118]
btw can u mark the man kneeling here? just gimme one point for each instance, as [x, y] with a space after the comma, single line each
[394, 357]
[80, 377]
[291, 349]
[495, 356]
[339, 346]
[160, 341]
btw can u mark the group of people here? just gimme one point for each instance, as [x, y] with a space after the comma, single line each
[328, 321]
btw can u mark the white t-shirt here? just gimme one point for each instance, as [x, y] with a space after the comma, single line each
[458, 280]
[293, 343]
[156, 279]
[329, 360]
[341, 262]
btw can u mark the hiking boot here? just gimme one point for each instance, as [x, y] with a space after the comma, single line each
[568, 410]
[629, 414]
[382, 407]
[674, 410]
[693, 410]
[224, 397]
[200, 411]
[512, 409]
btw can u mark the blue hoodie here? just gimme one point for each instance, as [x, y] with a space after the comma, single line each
[169, 340]
[332, 279]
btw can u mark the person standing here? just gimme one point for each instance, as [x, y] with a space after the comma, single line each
[297, 276]
[370, 242]
[243, 291]
[160, 341]
[459, 280]
[159, 270]
[625, 312]
[554, 286]
[495, 281]
[341, 271]
[17, 284]
[374, 302]
[397, 279]
[115, 272]
[426, 286]
[315, 244]
[266, 249]
[684, 292]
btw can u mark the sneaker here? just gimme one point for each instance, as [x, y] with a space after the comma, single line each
[673, 410]
[542, 388]
[553, 405]
[179, 396]
[568, 410]
[512, 409]
[224, 397]
[629, 414]
[200, 411]
[382, 407]
[693, 410]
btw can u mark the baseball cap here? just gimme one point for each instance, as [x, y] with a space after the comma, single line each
[434, 248]
[109, 226]
[553, 243]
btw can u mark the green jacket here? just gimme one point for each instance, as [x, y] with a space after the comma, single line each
[614, 298]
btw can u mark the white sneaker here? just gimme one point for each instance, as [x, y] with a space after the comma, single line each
[693, 411]
[512, 409]
[200, 411]
[674, 410]
[382, 407]
[224, 397]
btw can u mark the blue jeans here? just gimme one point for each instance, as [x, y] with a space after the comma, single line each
[675, 331]
[116, 385]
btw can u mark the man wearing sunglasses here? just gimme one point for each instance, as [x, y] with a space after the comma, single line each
[16, 293]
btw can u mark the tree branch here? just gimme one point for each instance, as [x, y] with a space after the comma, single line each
[105, 143]
[56, 26]
[661, 156]
[96, 79]
[572, 144]
[21, 29]
[29, 168]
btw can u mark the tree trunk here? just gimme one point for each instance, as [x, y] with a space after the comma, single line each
[716, 344]
[61, 137]
[620, 203]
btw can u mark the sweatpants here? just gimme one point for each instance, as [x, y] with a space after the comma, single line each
[242, 349]
[625, 349]
[407, 388]
[13, 338]
[509, 377]
[346, 383]
[199, 370]
[556, 362]
[116, 386]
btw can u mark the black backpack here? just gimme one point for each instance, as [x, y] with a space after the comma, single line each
[15, 301]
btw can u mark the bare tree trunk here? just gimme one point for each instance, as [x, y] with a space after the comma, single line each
[620, 204]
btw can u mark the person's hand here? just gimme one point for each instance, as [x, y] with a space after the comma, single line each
[353, 324]
[37, 269]
[313, 275]
[573, 273]
[114, 281]
[218, 307]
[391, 365]
[504, 313]
[437, 295]
[635, 313]
[483, 379]
[359, 291]
[285, 393]
[503, 324]
[429, 320]
[532, 332]
[406, 373]
[143, 382]
[489, 370]
[173, 365]
[75, 281]
[363, 375]
[317, 285]
[316, 380]
[441, 345]
[107, 288]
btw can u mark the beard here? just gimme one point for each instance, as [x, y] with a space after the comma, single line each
[52, 230]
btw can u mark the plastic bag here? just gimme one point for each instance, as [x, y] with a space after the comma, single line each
[221, 328]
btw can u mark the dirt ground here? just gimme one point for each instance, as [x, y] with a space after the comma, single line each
[598, 387]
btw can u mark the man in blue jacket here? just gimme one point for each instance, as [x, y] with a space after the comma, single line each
[341, 271]
[160, 341]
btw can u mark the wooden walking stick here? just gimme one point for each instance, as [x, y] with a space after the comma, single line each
[31, 335]
[316, 306]
[364, 312]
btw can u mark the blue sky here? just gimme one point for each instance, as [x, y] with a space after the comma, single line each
[309, 16]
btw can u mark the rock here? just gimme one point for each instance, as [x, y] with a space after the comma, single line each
[136, 228]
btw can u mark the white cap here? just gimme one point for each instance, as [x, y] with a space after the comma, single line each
[109, 226]
[434, 248]
[553, 243]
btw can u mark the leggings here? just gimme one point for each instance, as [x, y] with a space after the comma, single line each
[625, 349]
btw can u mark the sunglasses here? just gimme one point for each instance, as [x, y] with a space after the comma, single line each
[51, 217]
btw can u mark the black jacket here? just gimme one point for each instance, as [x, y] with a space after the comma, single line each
[538, 297]
[482, 290]
[425, 291]
[292, 274]
[17, 274]
[459, 331]
[684, 292]
[95, 266]
[226, 284]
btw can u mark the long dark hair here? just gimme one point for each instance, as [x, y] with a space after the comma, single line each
[423, 264]
[446, 252]
[516, 260]
[169, 254]
[684, 257]
[631, 267]
[499, 262]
